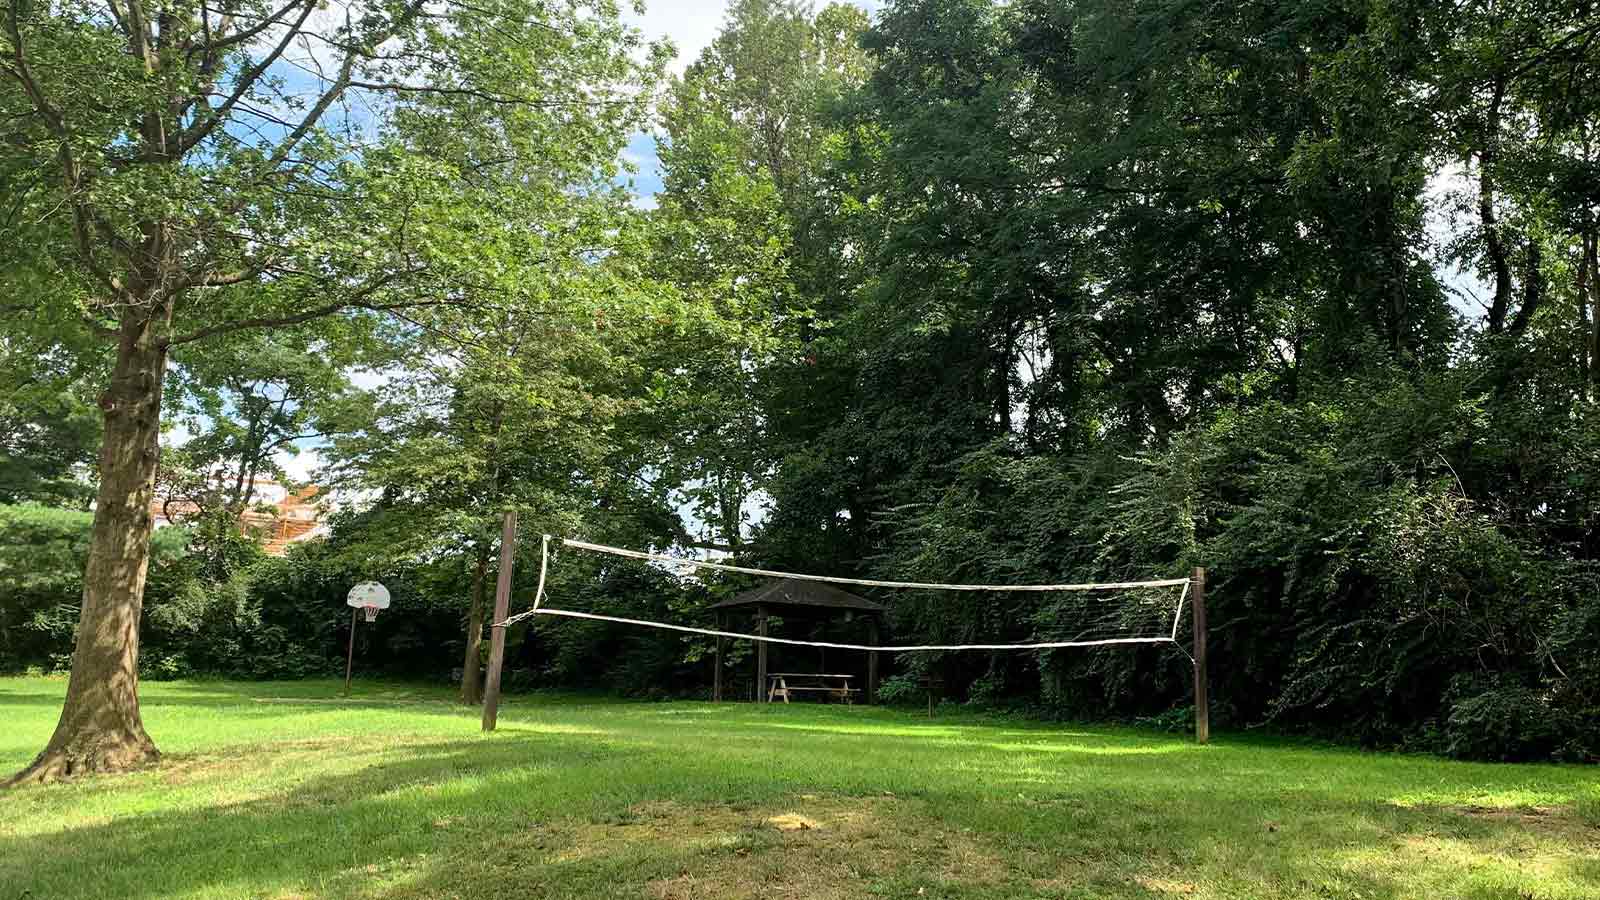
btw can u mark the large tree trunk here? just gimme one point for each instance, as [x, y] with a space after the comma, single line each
[471, 679]
[100, 729]
[1591, 255]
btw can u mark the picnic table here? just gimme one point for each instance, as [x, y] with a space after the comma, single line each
[784, 684]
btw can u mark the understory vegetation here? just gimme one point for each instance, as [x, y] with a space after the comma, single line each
[1039, 291]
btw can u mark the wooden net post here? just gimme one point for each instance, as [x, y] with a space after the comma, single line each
[761, 655]
[1202, 704]
[497, 641]
[872, 662]
[716, 672]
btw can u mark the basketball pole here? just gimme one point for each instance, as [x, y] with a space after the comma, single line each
[350, 652]
[497, 641]
[1202, 702]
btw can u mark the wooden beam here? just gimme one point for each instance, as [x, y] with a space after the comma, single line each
[1202, 702]
[872, 662]
[716, 673]
[761, 654]
[497, 641]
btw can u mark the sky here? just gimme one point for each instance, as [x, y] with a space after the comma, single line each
[690, 26]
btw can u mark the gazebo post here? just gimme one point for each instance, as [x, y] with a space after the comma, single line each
[801, 601]
[716, 674]
[872, 661]
[761, 654]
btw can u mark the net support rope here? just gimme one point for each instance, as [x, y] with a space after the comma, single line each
[1176, 616]
[887, 648]
[538, 610]
[871, 582]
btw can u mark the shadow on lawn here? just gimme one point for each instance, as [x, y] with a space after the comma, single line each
[313, 831]
[484, 816]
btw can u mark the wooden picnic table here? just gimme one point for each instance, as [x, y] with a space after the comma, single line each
[835, 686]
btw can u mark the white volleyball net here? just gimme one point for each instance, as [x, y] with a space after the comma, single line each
[1054, 616]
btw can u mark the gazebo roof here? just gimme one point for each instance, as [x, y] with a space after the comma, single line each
[795, 596]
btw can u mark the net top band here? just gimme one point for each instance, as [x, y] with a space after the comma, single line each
[872, 582]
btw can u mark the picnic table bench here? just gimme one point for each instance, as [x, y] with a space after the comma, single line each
[835, 686]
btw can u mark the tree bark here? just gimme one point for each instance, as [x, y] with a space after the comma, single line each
[100, 729]
[1591, 253]
[1532, 288]
[471, 680]
[1500, 306]
[1581, 291]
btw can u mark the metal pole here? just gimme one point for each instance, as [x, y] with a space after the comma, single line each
[1202, 703]
[497, 641]
[350, 652]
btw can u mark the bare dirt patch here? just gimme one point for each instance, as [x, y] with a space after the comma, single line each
[1561, 820]
[1166, 886]
[808, 847]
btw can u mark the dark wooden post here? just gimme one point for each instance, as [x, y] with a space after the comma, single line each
[872, 660]
[497, 641]
[1202, 705]
[761, 655]
[716, 674]
[350, 652]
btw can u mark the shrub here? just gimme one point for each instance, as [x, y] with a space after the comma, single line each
[1505, 721]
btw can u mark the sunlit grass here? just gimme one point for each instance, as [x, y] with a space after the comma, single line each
[280, 790]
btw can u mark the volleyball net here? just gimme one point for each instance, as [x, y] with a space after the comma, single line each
[1057, 616]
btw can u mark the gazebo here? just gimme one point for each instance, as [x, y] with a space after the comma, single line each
[794, 598]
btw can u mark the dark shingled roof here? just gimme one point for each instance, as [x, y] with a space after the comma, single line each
[795, 594]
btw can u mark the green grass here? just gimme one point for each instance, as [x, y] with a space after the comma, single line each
[284, 790]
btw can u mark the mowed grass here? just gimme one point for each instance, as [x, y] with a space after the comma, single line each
[285, 790]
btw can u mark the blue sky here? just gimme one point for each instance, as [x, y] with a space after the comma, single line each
[690, 26]
[641, 152]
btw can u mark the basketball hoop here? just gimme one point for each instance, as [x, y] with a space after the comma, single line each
[368, 597]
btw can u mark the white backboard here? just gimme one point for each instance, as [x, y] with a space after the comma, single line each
[368, 593]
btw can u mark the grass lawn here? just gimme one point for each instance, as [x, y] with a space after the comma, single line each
[284, 790]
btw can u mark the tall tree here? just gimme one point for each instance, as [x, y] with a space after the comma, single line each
[512, 408]
[194, 170]
[741, 228]
[246, 403]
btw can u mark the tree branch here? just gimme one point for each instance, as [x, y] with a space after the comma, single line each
[189, 139]
[23, 72]
[318, 312]
[211, 45]
[475, 93]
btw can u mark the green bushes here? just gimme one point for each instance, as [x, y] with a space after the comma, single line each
[1376, 574]
[42, 551]
[1505, 720]
[203, 612]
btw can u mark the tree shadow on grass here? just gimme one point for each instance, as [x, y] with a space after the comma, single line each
[305, 834]
[552, 814]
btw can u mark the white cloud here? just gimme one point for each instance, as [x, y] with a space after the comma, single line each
[690, 25]
[299, 467]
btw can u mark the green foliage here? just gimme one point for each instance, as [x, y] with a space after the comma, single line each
[49, 428]
[1505, 721]
[963, 291]
[42, 553]
[900, 690]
